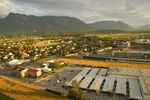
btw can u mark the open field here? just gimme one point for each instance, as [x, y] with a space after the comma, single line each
[103, 63]
[46, 44]
[119, 35]
[22, 91]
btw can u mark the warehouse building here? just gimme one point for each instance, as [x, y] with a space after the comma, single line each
[96, 79]
[132, 54]
[119, 54]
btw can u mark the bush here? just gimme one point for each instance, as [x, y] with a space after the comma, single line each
[77, 93]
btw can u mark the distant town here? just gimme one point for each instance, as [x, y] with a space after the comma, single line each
[110, 66]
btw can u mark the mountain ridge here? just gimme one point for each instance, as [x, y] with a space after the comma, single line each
[22, 23]
[144, 27]
[111, 25]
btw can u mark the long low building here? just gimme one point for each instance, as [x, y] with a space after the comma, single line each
[88, 78]
[79, 76]
[96, 79]
[115, 59]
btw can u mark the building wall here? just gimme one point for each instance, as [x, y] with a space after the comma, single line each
[24, 73]
[38, 73]
[120, 54]
[135, 55]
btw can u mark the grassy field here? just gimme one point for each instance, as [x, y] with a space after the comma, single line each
[17, 90]
[119, 35]
[103, 63]
[4, 97]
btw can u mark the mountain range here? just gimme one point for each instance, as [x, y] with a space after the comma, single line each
[22, 23]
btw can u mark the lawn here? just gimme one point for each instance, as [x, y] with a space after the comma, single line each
[17, 90]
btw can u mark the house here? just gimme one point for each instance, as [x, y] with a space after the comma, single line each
[13, 62]
[103, 49]
[49, 65]
[17, 62]
[51, 61]
[122, 44]
[26, 72]
[33, 72]
[46, 67]
[19, 72]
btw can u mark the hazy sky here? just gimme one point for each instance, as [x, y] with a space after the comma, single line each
[134, 12]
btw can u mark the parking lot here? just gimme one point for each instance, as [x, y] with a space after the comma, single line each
[57, 80]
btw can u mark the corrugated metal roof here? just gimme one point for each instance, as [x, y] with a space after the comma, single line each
[109, 84]
[121, 86]
[86, 81]
[135, 92]
[97, 83]
[103, 72]
[79, 76]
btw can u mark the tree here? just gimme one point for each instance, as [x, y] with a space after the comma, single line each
[77, 93]
[58, 65]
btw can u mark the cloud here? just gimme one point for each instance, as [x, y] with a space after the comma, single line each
[6, 7]
[2, 1]
[134, 12]
[3, 8]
